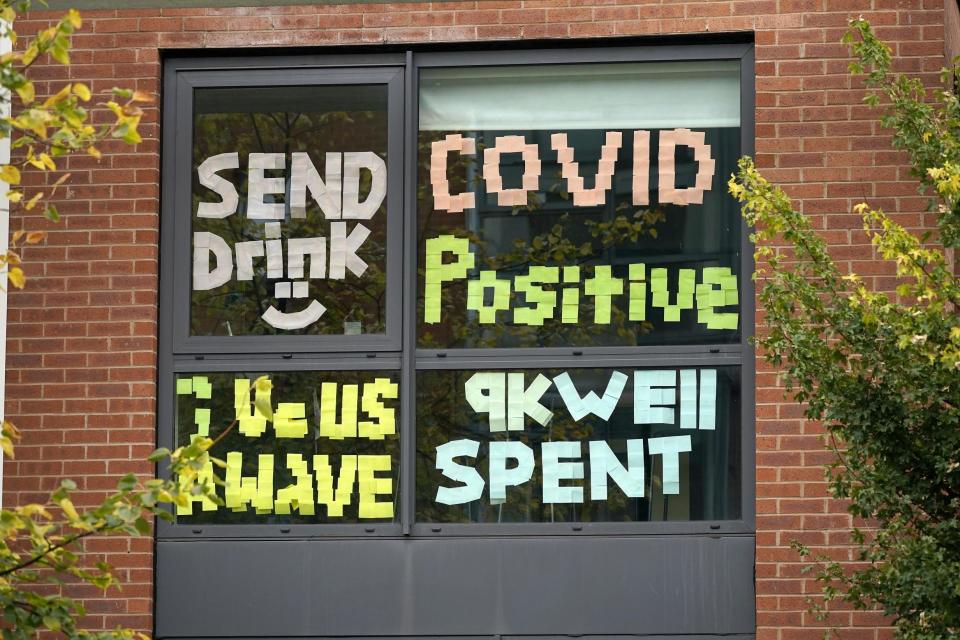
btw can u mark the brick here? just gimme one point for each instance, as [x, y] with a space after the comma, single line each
[82, 354]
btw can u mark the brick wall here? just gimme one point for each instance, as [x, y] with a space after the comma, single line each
[82, 345]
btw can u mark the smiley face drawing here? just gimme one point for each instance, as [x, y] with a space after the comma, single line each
[338, 196]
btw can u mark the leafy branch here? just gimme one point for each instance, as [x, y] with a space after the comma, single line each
[880, 369]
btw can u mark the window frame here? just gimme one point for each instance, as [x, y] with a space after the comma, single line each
[189, 81]
[399, 351]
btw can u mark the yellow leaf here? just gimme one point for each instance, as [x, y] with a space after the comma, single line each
[17, 235]
[36, 236]
[93, 151]
[26, 92]
[33, 120]
[10, 174]
[16, 277]
[48, 162]
[10, 430]
[32, 202]
[61, 179]
[34, 509]
[73, 16]
[14, 196]
[31, 53]
[115, 108]
[59, 96]
[262, 402]
[69, 509]
[82, 91]
[7, 446]
[141, 96]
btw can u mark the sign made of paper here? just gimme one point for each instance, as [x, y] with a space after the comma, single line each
[555, 293]
[346, 412]
[683, 398]
[337, 194]
[669, 193]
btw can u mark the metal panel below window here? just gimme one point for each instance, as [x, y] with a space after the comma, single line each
[511, 586]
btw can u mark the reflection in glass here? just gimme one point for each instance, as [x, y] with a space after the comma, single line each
[341, 427]
[314, 150]
[704, 483]
[576, 240]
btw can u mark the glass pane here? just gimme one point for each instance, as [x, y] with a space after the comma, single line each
[699, 94]
[289, 211]
[330, 454]
[583, 445]
[539, 230]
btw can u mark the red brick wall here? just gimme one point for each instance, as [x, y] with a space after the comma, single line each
[82, 345]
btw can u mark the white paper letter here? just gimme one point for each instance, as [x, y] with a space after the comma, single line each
[246, 252]
[258, 185]
[500, 476]
[204, 244]
[591, 403]
[305, 177]
[708, 399]
[670, 449]
[343, 250]
[604, 462]
[352, 163]
[654, 392]
[472, 487]
[485, 393]
[316, 248]
[207, 173]
[526, 401]
[554, 471]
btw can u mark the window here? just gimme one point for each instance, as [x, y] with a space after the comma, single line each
[493, 294]
[277, 182]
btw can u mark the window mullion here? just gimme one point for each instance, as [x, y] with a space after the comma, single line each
[409, 308]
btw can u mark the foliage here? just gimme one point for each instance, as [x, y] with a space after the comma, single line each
[882, 371]
[42, 131]
[924, 126]
[38, 542]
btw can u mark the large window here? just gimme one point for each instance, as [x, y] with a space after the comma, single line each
[290, 220]
[490, 294]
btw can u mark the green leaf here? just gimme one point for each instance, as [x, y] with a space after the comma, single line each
[60, 54]
[51, 623]
[131, 136]
[127, 482]
[142, 526]
[159, 455]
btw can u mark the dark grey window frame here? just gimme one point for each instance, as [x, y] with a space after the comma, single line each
[186, 83]
[179, 354]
